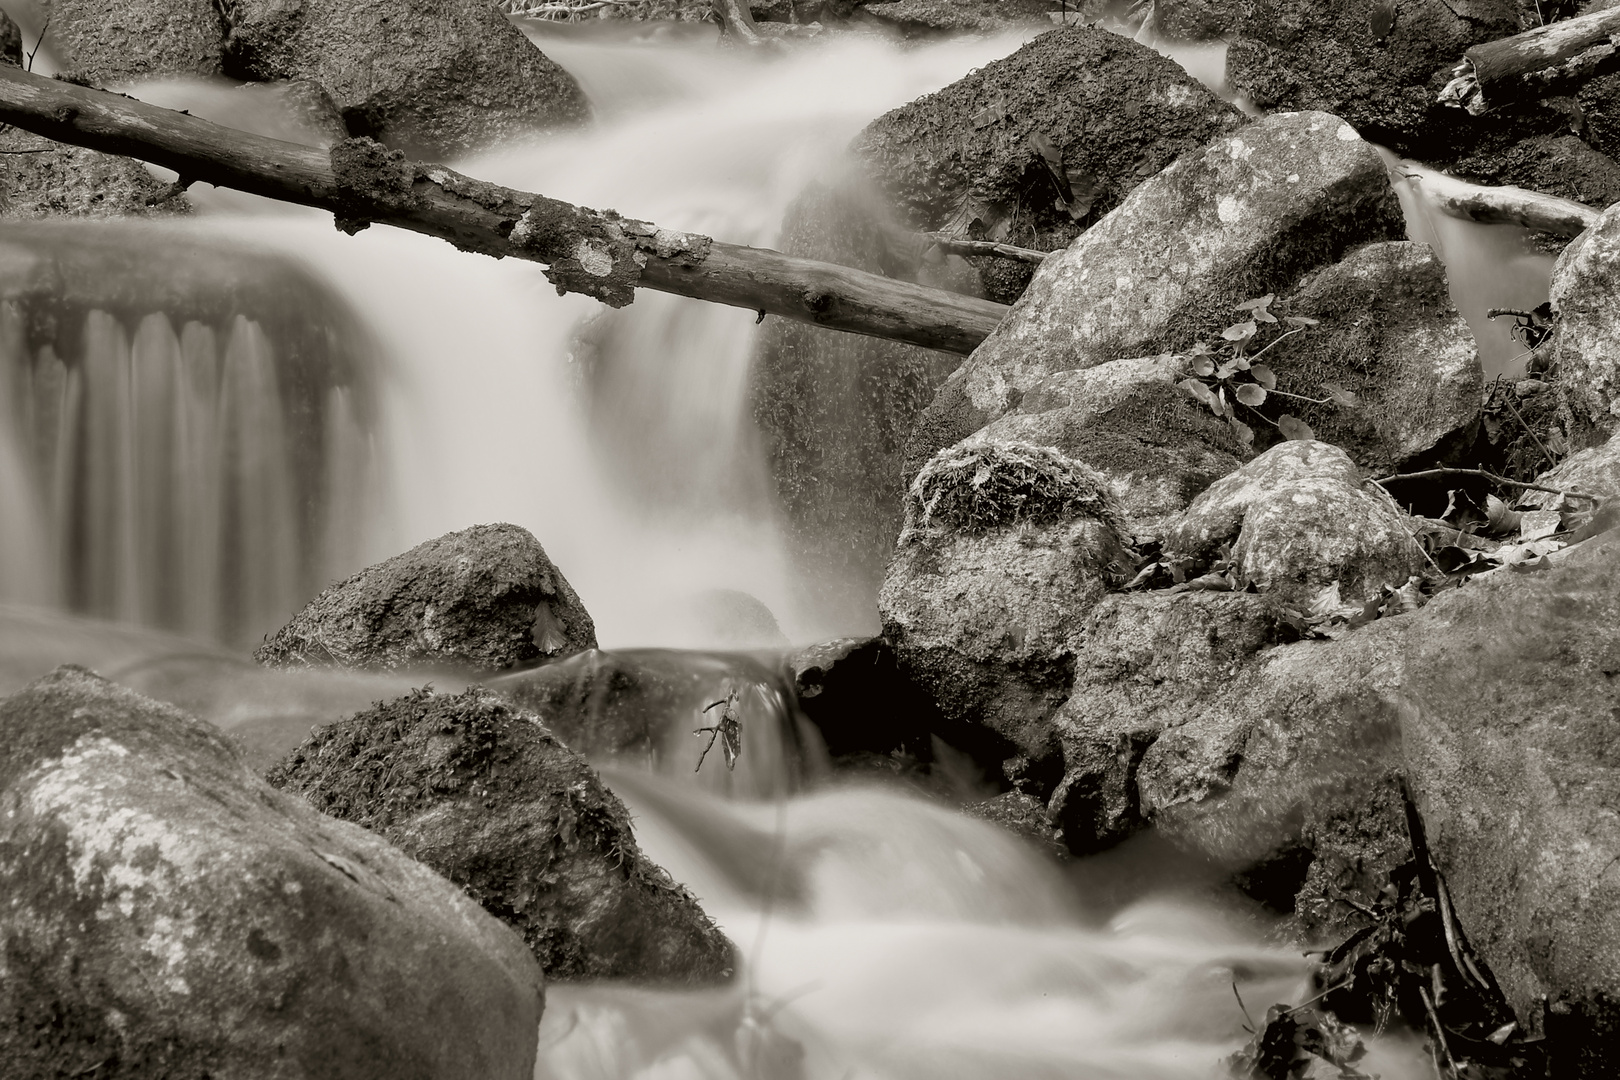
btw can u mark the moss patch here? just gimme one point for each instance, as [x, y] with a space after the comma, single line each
[976, 488]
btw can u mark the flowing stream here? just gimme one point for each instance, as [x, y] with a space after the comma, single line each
[883, 935]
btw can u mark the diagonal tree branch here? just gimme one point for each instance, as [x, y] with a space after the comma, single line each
[598, 253]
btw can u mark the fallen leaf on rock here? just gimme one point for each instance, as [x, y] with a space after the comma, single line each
[1499, 517]
[1536, 524]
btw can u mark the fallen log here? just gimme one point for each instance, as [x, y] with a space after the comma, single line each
[598, 253]
[1500, 205]
[1545, 62]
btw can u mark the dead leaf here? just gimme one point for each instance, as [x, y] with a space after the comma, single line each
[1341, 396]
[1499, 518]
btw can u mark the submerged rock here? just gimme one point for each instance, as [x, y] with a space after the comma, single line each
[486, 795]
[168, 914]
[1585, 287]
[1242, 217]
[434, 78]
[1298, 520]
[1126, 419]
[1036, 146]
[485, 598]
[1508, 723]
[1005, 550]
[1390, 335]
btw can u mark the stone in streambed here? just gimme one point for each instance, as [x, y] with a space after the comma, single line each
[434, 78]
[1586, 346]
[165, 913]
[485, 794]
[1298, 520]
[1390, 335]
[1006, 548]
[1157, 448]
[485, 598]
[1508, 722]
[1244, 216]
[1097, 109]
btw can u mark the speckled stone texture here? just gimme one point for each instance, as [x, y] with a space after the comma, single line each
[486, 795]
[1244, 216]
[485, 598]
[163, 912]
[135, 39]
[1586, 298]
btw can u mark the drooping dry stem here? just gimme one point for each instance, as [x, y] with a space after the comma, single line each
[599, 253]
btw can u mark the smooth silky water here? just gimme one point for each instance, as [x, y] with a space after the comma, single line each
[882, 935]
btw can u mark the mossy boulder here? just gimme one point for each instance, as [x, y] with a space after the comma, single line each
[135, 39]
[169, 914]
[485, 598]
[1127, 419]
[1035, 147]
[1006, 548]
[434, 78]
[1245, 215]
[486, 795]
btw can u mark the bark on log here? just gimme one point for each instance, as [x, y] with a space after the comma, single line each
[599, 253]
[1502, 205]
[1545, 62]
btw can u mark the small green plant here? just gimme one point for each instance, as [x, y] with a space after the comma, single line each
[1226, 374]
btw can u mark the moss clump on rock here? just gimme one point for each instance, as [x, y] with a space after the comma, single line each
[974, 488]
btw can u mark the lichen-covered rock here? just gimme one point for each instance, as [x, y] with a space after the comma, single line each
[1006, 548]
[1586, 299]
[434, 78]
[1126, 419]
[486, 795]
[1098, 110]
[485, 598]
[1299, 520]
[1594, 471]
[639, 707]
[1244, 216]
[139, 39]
[1390, 335]
[165, 913]
[1508, 724]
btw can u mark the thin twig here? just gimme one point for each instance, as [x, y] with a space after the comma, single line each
[37, 43]
[1439, 1032]
[1274, 343]
[953, 246]
[1245, 1008]
[1385, 481]
[1508, 401]
[1319, 997]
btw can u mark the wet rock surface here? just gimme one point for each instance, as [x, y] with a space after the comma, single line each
[1128, 420]
[1034, 148]
[1242, 217]
[485, 598]
[1507, 720]
[485, 794]
[434, 78]
[1389, 335]
[1005, 550]
[169, 914]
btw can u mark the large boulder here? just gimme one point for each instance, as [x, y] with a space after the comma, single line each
[1042, 143]
[135, 39]
[434, 78]
[1128, 420]
[1586, 349]
[1508, 725]
[486, 795]
[1244, 216]
[1390, 335]
[485, 598]
[168, 914]
[1005, 550]
[1297, 520]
